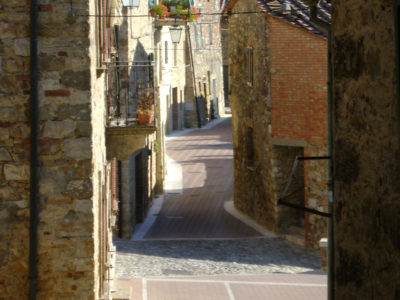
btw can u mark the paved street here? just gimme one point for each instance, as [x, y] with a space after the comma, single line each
[196, 250]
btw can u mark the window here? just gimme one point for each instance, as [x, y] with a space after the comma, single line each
[210, 38]
[175, 56]
[196, 36]
[201, 36]
[250, 147]
[166, 52]
[250, 68]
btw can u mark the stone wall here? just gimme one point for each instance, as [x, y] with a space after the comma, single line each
[299, 110]
[278, 96]
[250, 116]
[207, 57]
[72, 151]
[282, 163]
[366, 150]
[14, 149]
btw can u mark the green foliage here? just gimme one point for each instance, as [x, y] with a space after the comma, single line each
[156, 146]
[177, 3]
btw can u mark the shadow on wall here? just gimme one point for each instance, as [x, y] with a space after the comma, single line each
[140, 79]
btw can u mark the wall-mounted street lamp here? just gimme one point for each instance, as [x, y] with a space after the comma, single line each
[131, 3]
[175, 31]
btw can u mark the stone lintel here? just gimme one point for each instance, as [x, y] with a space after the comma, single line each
[123, 142]
[288, 142]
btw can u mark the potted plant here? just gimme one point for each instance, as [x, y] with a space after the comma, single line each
[160, 9]
[187, 13]
[192, 14]
[145, 109]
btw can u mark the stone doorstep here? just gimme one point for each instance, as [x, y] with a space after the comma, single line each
[121, 293]
[295, 239]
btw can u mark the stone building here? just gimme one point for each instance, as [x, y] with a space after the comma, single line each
[206, 82]
[278, 97]
[73, 200]
[170, 75]
[131, 84]
[365, 140]
[58, 208]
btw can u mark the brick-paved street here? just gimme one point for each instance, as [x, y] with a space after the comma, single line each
[196, 250]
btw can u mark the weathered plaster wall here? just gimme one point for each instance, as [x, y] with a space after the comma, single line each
[366, 151]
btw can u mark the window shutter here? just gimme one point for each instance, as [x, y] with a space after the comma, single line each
[114, 185]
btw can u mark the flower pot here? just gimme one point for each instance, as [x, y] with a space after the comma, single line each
[146, 118]
[153, 13]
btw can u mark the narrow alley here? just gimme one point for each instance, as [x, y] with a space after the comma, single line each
[195, 249]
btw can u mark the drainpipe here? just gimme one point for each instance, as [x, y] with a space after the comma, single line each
[34, 161]
[330, 258]
[397, 46]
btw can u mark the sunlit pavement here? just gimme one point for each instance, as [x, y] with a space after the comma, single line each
[196, 250]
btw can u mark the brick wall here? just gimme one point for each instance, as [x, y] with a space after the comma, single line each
[299, 109]
[366, 151]
[298, 82]
[283, 106]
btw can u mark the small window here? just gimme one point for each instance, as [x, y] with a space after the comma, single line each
[166, 52]
[210, 37]
[250, 147]
[201, 36]
[250, 66]
[196, 36]
[175, 56]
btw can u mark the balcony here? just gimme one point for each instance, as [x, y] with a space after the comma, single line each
[130, 100]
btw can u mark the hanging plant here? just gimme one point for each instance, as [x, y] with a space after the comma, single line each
[187, 14]
[160, 9]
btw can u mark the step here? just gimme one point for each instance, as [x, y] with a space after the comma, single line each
[295, 239]
[121, 293]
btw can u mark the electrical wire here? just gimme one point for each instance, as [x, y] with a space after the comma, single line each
[227, 14]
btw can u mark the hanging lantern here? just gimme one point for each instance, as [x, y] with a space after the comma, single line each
[175, 31]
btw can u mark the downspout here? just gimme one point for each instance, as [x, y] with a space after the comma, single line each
[397, 46]
[34, 160]
[330, 258]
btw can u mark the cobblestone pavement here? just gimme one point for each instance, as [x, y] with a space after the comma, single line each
[213, 257]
